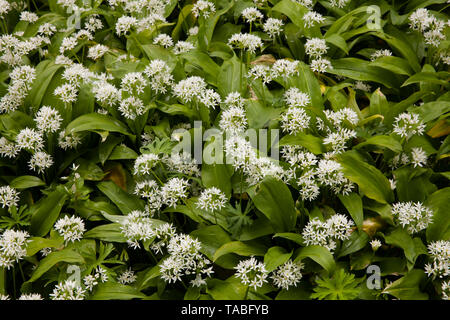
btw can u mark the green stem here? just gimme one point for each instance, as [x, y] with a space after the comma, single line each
[156, 177]
[14, 282]
[2, 281]
[246, 293]
[21, 272]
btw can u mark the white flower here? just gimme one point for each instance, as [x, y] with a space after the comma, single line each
[8, 196]
[375, 244]
[8, 149]
[90, 281]
[309, 190]
[210, 98]
[105, 93]
[245, 41]
[183, 47]
[418, 157]
[145, 163]
[183, 163]
[339, 227]
[173, 190]
[68, 44]
[273, 27]
[48, 119]
[329, 173]
[75, 74]
[295, 120]
[311, 18]
[160, 77]
[420, 20]
[251, 14]
[68, 141]
[71, 228]
[440, 254]
[212, 199]
[321, 65]
[189, 89]
[408, 124]
[133, 82]
[284, 68]
[295, 98]
[203, 8]
[233, 119]
[28, 16]
[137, 227]
[67, 290]
[234, 99]
[414, 216]
[193, 31]
[338, 139]
[288, 274]
[360, 85]
[339, 3]
[124, 24]
[380, 53]
[316, 47]
[316, 233]
[5, 7]
[163, 40]
[251, 272]
[339, 117]
[40, 161]
[31, 296]
[132, 107]
[13, 247]
[97, 51]
[30, 140]
[67, 93]
[260, 71]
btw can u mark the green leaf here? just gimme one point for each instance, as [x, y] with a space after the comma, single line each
[408, 287]
[122, 152]
[124, 201]
[310, 142]
[369, 179]
[116, 291]
[319, 254]
[66, 255]
[356, 242]
[36, 244]
[97, 121]
[217, 175]
[232, 77]
[439, 229]
[341, 286]
[46, 211]
[431, 110]
[353, 204]
[295, 237]
[382, 141]
[108, 232]
[25, 182]
[224, 290]
[241, 248]
[273, 198]
[412, 247]
[394, 64]
[275, 257]
[413, 184]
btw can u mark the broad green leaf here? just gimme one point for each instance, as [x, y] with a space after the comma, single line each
[217, 175]
[275, 257]
[319, 254]
[439, 229]
[46, 211]
[412, 247]
[36, 244]
[310, 142]
[96, 121]
[116, 291]
[126, 202]
[273, 198]
[408, 286]
[297, 238]
[382, 141]
[25, 182]
[232, 77]
[354, 206]
[369, 179]
[65, 255]
[241, 248]
[108, 232]
[224, 290]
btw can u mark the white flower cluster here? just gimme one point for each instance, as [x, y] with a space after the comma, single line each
[288, 274]
[312, 18]
[440, 254]
[251, 272]
[252, 14]
[212, 199]
[22, 78]
[408, 124]
[380, 53]
[431, 27]
[282, 68]
[316, 48]
[203, 8]
[273, 27]
[68, 290]
[71, 228]
[9, 197]
[337, 227]
[193, 89]
[412, 215]
[127, 277]
[137, 227]
[418, 158]
[13, 247]
[245, 41]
